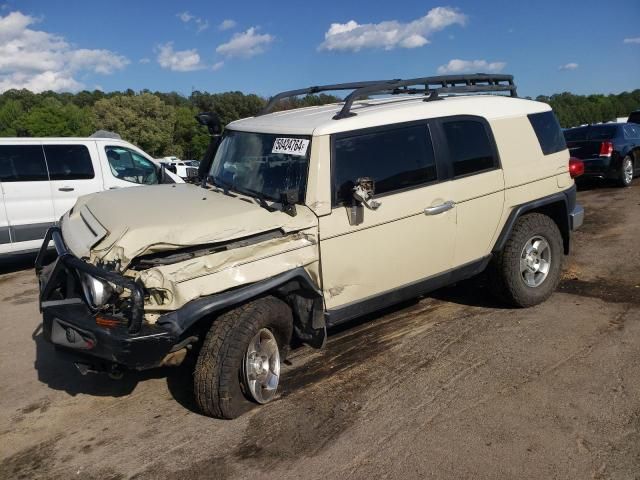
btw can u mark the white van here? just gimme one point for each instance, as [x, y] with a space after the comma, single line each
[41, 178]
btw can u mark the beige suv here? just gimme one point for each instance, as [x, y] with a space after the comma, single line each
[306, 219]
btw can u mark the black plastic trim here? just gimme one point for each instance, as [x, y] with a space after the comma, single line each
[180, 320]
[566, 197]
[406, 292]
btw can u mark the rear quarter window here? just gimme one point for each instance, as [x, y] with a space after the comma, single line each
[548, 131]
[22, 163]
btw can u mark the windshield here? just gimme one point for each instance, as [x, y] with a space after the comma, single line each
[262, 164]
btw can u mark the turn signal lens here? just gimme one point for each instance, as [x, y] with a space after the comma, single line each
[576, 167]
[107, 322]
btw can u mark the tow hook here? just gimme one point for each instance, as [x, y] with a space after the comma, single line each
[114, 372]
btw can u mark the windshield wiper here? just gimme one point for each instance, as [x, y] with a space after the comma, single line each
[226, 186]
[259, 196]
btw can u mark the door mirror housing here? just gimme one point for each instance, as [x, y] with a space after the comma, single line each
[213, 124]
[363, 192]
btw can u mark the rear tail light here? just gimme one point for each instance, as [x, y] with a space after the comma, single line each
[576, 167]
[606, 148]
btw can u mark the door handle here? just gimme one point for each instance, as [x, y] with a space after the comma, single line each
[66, 189]
[443, 207]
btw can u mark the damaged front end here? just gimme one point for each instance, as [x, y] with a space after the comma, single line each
[145, 314]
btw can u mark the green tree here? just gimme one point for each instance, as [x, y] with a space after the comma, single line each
[53, 119]
[11, 112]
[144, 120]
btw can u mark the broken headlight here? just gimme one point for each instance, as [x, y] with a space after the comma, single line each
[97, 292]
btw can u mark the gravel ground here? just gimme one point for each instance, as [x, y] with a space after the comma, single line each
[453, 385]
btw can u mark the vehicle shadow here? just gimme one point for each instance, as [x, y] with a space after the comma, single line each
[58, 372]
[13, 262]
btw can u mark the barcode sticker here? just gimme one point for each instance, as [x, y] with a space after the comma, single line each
[291, 146]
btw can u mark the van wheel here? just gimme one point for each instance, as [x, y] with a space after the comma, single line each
[626, 172]
[239, 363]
[527, 270]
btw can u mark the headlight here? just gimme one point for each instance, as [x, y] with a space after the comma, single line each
[96, 291]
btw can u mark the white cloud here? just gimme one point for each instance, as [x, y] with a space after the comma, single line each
[632, 40]
[568, 66]
[477, 66]
[246, 44]
[217, 66]
[144, 60]
[180, 60]
[38, 60]
[186, 17]
[390, 34]
[200, 23]
[227, 24]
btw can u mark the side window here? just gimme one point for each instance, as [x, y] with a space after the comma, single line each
[130, 166]
[395, 159]
[548, 131]
[631, 132]
[69, 162]
[22, 163]
[469, 147]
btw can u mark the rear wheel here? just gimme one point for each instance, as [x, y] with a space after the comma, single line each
[626, 172]
[239, 363]
[527, 270]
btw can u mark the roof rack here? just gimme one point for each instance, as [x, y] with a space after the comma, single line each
[432, 87]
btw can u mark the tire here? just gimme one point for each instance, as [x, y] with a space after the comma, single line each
[506, 276]
[221, 387]
[625, 176]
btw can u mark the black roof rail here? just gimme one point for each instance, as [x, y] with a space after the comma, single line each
[430, 86]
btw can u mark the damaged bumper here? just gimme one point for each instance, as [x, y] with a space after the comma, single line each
[102, 341]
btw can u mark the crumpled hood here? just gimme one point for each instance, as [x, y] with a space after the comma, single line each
[120, 225]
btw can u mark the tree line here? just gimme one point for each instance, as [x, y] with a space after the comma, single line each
[163, 123]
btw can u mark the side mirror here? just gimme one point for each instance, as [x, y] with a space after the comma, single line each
[211, 121]
[363, 191]
[213, 124]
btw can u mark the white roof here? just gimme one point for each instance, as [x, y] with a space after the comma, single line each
[387, 110]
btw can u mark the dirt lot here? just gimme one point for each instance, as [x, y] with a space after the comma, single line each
[451, 386]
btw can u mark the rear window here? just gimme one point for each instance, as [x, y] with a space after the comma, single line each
[22, 163]
[602, 132]
[590, 132]
[69, 162]
[398, 158]
[469, 147]
[548, 131]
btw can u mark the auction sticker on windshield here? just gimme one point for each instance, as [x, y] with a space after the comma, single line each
[291, 146]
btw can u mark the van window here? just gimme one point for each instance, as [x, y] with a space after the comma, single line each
[548, 131]
[22, 163]
[470, 149]
[69, 162]
[395, 158]
[130, 166]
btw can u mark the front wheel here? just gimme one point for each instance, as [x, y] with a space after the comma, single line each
[527, 270]
[239, 363]
[626, 172]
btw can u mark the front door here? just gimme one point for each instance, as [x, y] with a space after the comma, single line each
[400, 245]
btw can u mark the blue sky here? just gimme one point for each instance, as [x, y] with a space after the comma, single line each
[264, 47]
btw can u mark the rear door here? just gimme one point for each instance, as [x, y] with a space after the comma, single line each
[26, 193]
[74, 171]
[5, 237]
[477, 184]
